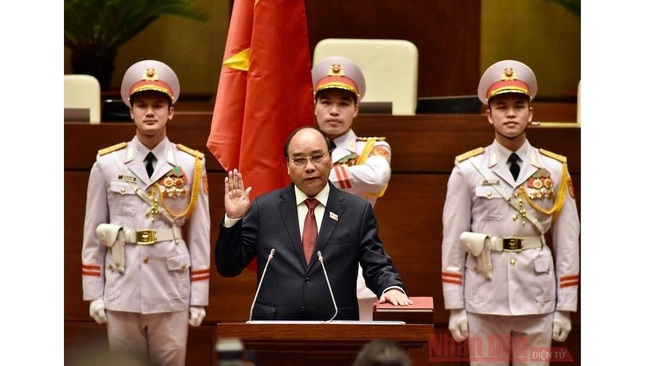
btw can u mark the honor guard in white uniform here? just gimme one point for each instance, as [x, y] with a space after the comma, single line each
[507, 288]
[146, 243]
[361, 164]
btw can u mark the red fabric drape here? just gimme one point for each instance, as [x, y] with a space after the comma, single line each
[265, 90]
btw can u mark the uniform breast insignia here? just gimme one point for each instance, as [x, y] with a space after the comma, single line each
[491, 182]
[469, 154]
[127, 178]
[174, 183]
[565, 184]
[110, 149]
[540, 185]
[542, 179]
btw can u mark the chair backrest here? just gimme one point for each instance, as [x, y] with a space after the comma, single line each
[390, 67]
[83, 92]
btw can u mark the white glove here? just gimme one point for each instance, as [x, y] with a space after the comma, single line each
[97, 311]
[561, 325]
[197, 313]
[458, 324]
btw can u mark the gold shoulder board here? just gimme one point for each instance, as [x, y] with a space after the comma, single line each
[196, 153]
[553, 155]
[469, 154]
[110, 149]
[366, 138]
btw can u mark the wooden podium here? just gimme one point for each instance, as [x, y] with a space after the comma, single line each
[301, 343]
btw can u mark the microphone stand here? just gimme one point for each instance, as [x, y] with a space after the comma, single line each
[336, 308]
[250, 317]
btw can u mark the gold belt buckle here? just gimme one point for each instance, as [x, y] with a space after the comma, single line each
[145, 237]
[512, 244]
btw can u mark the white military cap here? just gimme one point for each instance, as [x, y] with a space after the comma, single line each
[507, 76]
[338, 72]
[150, 75]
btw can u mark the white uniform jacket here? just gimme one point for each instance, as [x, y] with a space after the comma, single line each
[166, 276]
[364, 180]
[525, 282]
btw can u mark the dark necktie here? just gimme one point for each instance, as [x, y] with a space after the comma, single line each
[310, 230]
[514, 166]
[149, 159]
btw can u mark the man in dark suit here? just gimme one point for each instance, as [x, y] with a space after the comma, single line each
[295, 285]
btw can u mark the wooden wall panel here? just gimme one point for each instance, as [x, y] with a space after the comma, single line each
[446, 32]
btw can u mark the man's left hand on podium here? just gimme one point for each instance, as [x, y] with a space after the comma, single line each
[395, 297]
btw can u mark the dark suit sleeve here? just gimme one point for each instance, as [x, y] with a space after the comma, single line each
[236, 245]
[378, 269]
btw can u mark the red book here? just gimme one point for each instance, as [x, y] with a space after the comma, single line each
[423, 304]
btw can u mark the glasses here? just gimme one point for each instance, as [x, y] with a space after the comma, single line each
[302, 161]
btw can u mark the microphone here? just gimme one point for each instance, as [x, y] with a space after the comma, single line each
[257, 292]
[336, 308]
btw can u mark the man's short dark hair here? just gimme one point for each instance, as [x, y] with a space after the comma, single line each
[135, 96]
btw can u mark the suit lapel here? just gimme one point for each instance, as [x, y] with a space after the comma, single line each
[135, 165]
[289, 214]
[333, 211]
[499, 168]
[530, 167]
[504, 173]
[165, 163]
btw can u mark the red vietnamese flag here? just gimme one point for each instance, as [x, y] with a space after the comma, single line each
[265, 91]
